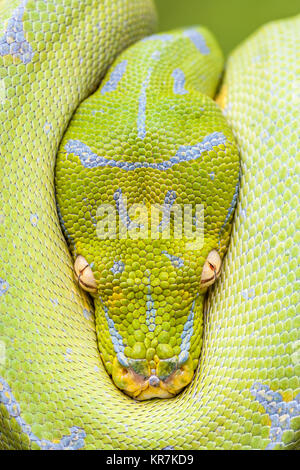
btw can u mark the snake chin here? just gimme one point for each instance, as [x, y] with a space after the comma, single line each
[154, 384]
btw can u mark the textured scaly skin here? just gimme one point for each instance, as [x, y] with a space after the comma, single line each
[244, 394]
[150, 135]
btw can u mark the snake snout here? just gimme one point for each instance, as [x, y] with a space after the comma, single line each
[142, 383]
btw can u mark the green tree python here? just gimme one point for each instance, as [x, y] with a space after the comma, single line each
[165, 361]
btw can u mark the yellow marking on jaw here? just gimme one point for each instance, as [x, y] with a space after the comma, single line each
[138, 386]
[126, 379]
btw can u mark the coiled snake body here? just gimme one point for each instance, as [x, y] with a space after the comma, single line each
[54, 390]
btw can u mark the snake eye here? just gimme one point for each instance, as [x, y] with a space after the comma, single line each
[211, 269]
[84, 274]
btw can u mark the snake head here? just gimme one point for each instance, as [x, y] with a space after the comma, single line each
[150, 358]
[140, 143]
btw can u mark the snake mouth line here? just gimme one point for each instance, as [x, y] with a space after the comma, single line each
[142, 387]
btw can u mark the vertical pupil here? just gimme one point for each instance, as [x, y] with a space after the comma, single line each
[211, 266]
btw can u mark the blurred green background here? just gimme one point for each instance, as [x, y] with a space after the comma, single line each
[230, 20]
